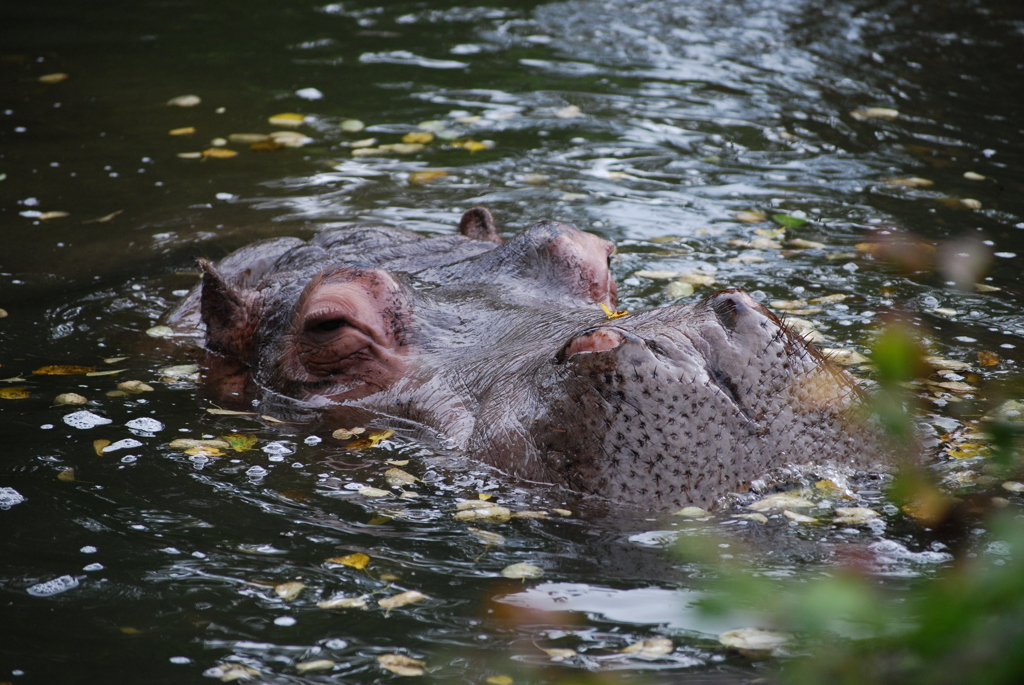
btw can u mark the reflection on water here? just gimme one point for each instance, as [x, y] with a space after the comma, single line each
[746, 144]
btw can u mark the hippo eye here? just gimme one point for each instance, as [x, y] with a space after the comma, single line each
[328, 326]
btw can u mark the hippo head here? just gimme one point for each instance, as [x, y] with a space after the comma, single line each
[505, 350]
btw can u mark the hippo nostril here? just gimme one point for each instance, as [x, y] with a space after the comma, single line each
[588, 342]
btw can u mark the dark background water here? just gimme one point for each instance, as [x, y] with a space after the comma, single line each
[649, 123]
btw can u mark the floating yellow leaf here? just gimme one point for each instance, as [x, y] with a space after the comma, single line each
[988, 358]
[397, 477]
[347, 433]
[422, 177]
[751, 216]
[612, 314]
[184, 101]
[343, 603]
[754, 642]
[401, 148]
[910, 182]
[371, 440]
[854, 516]
[968, 202]
[865, 113]
[483, 496]
[240, 442]
[248, 138]
[288, 119]
[530, 515]
[288, 139]
[561, 512]
[802, 244]
[402, 599]
[799, 518]
[183, 131]
[232, 672]
[401, 665]
[418, 137]
[68, 398]
[691, 512]
[188, 155]
[782, 500]
[316, 665]
[98, 445]
[365, 142]
[289, 591]
[1013, 486]
[499, 680]
[472, 145]
[219, 153]
[967, 450]
[66, 476]
[46, 216]
[217, 411]
[397, 462]
[13, 393]
[108, 372]
[985, 288]
[188, 443]
[63, 370]
[650, 649]
[352, 126]
[486, 513]
[522, 571]
[53, 78]
[134, 387]
[558, 654]
[357, 560]
[373, 492]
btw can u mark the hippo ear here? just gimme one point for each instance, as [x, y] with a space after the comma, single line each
[227, 313]
[478, 224]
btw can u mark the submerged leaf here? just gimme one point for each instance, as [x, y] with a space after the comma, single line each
[63, 370]
[183, 131]
[17, 393]
[53, 78]
[487, 537]
[98, 445]
[66, 476]
[240, 442]
[750, 640]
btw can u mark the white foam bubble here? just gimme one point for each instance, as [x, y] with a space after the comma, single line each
[85, 419]
[145, 424]
[53, 587]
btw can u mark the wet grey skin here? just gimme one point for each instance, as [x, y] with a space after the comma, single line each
[503, 350]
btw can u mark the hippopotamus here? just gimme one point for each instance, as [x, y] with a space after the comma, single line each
[512, 352]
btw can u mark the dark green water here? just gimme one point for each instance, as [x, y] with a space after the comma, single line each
[650, 123]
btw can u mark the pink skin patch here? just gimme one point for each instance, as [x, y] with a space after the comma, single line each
[597, 340]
